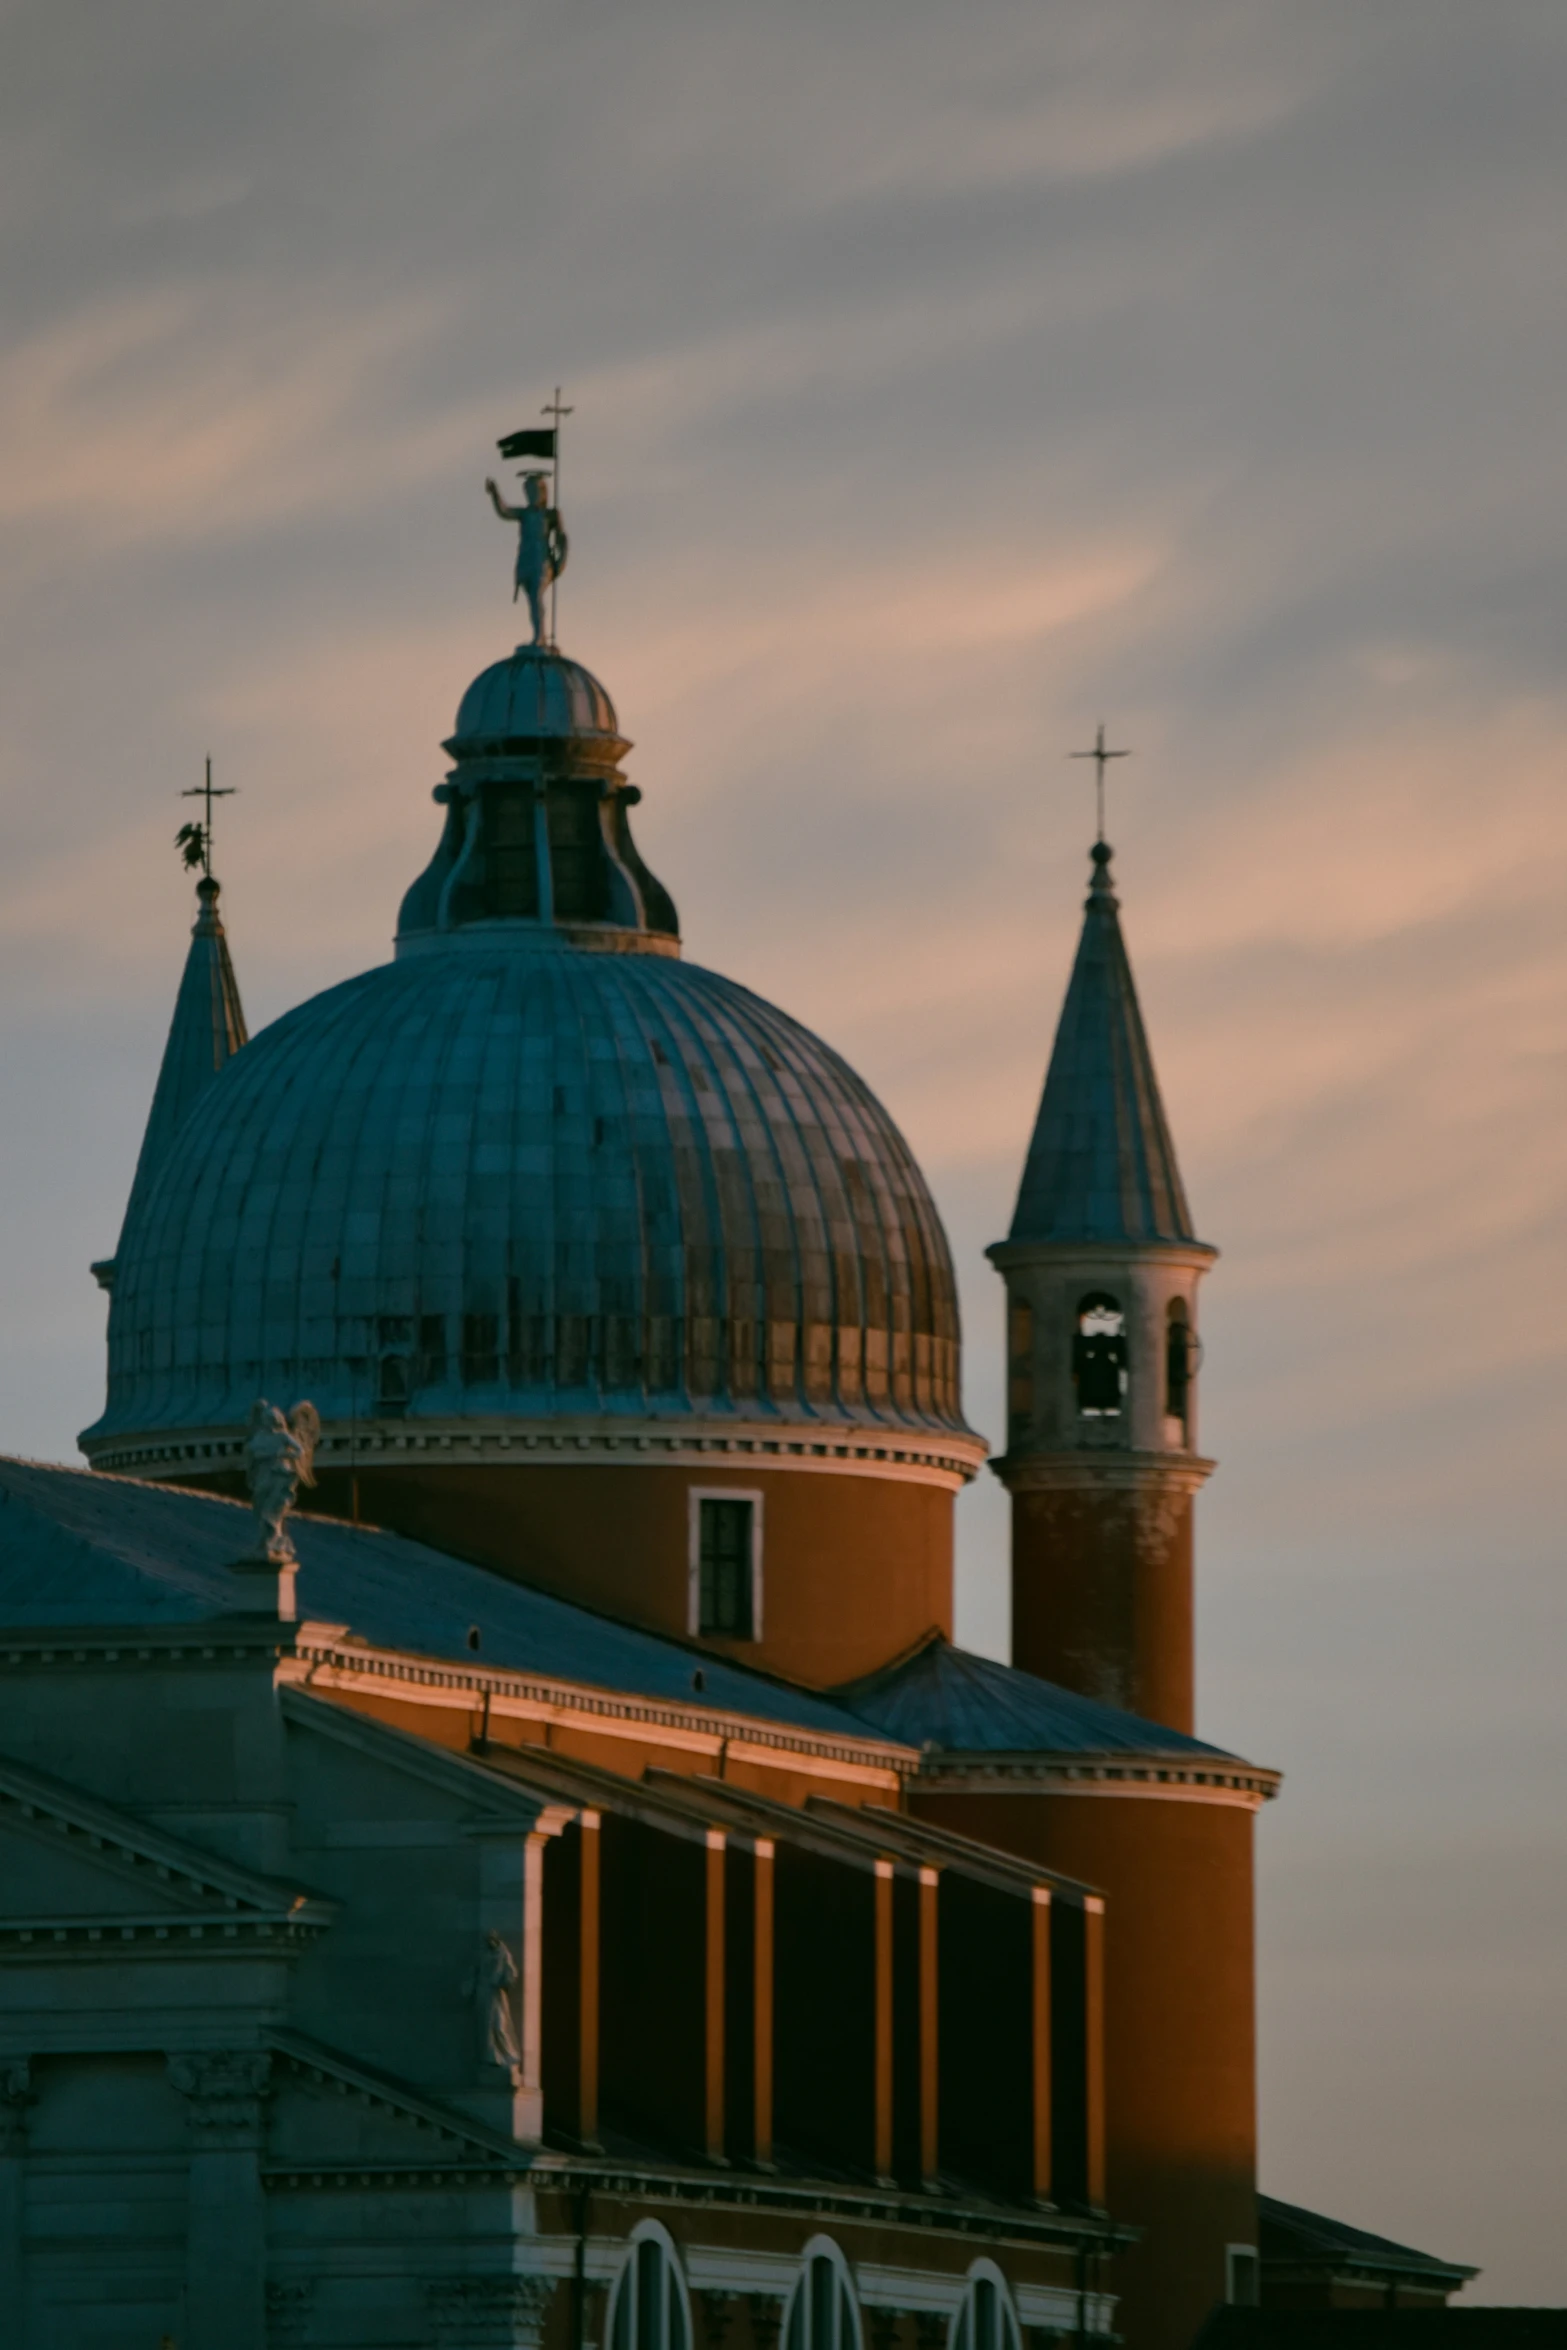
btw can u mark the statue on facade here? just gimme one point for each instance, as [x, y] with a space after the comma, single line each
[501, 2044]
[279, 1458]
[542, 545]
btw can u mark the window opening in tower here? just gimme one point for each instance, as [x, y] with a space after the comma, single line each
[1180, 1360]
[1099, 1356]
[1020, 1369]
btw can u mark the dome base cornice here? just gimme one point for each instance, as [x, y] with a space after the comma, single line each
[946, 1458]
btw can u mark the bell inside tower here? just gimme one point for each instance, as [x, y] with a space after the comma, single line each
[1099, 1359]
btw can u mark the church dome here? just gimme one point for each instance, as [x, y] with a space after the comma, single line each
[524, 1180]
[537, 1181]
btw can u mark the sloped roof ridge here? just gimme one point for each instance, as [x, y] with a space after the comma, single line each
[406, 1750]
[384, 2089]
[395, 1593]
[207, 1030]
[209, 1872]
[938, 1695]
[1337, 2236]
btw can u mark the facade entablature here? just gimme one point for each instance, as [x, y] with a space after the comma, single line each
[453, 1700]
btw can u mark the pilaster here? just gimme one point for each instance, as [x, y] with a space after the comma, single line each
[508, 1977]
[16, 2098]
[225, 2278]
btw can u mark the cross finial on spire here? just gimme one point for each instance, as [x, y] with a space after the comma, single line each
[1101, 758]
[195, 840]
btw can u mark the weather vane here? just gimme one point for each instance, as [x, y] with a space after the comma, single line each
[1101, 758]
[542, 545]
[194, 841]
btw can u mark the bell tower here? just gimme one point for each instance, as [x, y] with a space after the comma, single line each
[1102, 1268]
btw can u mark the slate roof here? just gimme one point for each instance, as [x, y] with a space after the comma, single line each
[207, 1029]
[948, 1698]
[1299, 2239]
[1101, 1165]
[80, 1548]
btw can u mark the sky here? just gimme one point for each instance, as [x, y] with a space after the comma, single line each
[944, 381]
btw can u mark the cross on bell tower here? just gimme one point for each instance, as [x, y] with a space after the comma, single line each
[1100, 756]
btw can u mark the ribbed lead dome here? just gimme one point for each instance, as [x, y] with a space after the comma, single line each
[536, 1180]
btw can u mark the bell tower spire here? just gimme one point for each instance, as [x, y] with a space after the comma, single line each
[207, 1029]
[1101, 1267]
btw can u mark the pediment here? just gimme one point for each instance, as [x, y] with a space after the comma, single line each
[328, 2114]
[74, 1868]
[48, 1870]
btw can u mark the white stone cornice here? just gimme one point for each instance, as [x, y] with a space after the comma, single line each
[50, 1940]
[323, 1663]
[1099, 1256]
[945, 1457]
[1101, 1469]
[202, 1884]
[1222, 1779]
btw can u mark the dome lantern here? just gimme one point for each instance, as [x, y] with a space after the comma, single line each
[537, 826]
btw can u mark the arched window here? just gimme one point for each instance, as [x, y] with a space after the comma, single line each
[986, 2319]
[823, 2312]
[1020, 1369]
[1182, 1353]
[649, 2310]
[1099, 1355]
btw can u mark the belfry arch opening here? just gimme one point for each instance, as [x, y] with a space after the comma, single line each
[1099, 1356]
[1182, 1353]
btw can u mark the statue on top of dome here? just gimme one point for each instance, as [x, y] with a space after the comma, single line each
[542, 545]
[279, 1458]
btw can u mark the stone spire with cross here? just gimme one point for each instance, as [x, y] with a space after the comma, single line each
[1101, 1266]
[207, 1029]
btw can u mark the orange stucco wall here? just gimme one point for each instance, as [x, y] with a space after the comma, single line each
[855, 1568]
[1180, 2037]
[1102, 1605]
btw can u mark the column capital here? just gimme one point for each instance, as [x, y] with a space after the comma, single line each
[17, 2094]
[489, 2313]
[225, 2090]
[288, 2313]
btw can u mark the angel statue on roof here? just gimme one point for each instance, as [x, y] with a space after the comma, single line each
[542, 544]
[280, 1455]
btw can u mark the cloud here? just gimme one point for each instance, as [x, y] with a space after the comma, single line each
[943, 384]
[183, 413]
